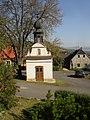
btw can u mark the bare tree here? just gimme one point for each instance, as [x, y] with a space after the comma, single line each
[2, 35]
[53, 46]
[20, 16]
[58, 53]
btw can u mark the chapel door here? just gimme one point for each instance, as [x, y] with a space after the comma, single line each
[39, 73]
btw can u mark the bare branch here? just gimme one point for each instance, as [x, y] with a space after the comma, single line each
[20, 18]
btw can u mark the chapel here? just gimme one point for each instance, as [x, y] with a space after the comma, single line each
[39, 62]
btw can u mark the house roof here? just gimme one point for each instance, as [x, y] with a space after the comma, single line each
[79, 51]
[9, 52]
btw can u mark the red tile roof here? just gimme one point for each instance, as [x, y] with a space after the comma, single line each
[9, 52]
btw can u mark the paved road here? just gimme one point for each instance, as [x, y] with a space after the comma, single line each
[36, 90]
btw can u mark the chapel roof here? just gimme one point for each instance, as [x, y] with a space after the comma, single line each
[38, 57]
[37, 45]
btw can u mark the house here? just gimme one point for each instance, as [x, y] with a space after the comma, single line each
[6, 55]
[77, 59]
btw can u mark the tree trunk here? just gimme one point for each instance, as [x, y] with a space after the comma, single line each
[19, 71]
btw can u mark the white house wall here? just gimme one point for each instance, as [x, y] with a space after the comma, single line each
[81, 60]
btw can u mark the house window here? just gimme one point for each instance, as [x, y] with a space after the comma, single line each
[78, 56]
[71, 61]
[84, 56]
[8, 62]
[71, 65]
[39, 51]
[86, 64]
[78, 65]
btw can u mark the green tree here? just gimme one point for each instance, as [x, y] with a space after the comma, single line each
[7, 87]
[20, 17]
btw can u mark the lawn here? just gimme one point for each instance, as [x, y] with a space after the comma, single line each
[57, 83]
[15, 111]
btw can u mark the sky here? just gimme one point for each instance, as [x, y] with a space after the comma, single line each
[75, 28]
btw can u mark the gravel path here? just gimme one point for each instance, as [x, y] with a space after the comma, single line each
[36, 90]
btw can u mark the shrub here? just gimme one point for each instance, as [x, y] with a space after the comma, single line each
[40, 111]
[82, 103]
[7, 86]
[65, 106]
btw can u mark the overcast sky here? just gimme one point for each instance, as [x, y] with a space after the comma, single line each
[75, 30]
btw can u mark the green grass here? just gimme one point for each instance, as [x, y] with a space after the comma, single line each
[57, 83]
[16, 111]
[61, 83]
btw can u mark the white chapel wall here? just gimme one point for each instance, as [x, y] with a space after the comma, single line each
[47, 68]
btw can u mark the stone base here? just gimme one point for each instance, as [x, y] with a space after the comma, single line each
[45, 80]
[49, 80]
[31, 80]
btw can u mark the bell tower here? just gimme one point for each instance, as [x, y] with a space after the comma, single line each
[38, 33]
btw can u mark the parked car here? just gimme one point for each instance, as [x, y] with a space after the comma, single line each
[80, 73]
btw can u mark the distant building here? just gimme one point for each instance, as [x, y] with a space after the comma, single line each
[7, 55]
[77, 59]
